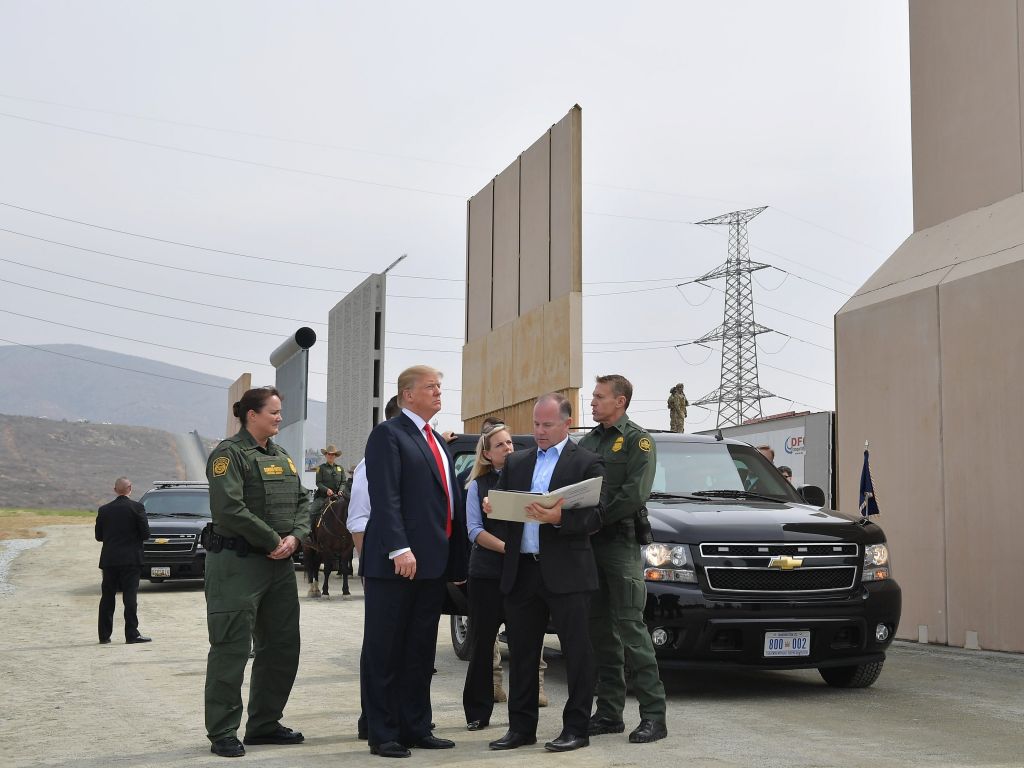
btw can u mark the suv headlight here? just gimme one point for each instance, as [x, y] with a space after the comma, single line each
[668, 562]
[876, 563]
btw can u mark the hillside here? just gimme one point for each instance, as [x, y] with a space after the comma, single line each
[46, 463]
[51, 381]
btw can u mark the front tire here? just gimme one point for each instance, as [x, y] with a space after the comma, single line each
[460, 636]
[857, 676]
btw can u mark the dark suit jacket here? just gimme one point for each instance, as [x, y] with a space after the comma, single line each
[408, 506]
[122, 527]
[566, 558]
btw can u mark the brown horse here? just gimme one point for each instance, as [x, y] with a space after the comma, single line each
[329, 539]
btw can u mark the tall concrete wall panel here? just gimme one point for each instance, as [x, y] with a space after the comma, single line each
[983, 424]
[887, 374]
[965, 92]
[505, 295]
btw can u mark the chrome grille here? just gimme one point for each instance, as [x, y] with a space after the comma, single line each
[780, 567]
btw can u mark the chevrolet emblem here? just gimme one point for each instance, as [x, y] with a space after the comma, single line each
[786, 563]
[161, 541]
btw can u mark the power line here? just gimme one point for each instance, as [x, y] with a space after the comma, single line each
[241, 161]
[218, 250]
[111, 365]
[233, 278]
[414, 158]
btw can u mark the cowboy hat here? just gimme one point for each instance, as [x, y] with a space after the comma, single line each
[330, 449]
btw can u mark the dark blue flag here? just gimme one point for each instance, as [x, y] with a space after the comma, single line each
[868, 502]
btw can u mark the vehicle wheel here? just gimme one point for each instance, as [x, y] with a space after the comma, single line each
[460, 636]
[858, 676]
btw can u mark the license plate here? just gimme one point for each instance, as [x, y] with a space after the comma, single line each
[787, 643]
[160, 572]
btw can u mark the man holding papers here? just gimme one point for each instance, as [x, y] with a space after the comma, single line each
[549, 568]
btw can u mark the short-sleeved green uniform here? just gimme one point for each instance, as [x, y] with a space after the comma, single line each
[617, 629]
[256, 495]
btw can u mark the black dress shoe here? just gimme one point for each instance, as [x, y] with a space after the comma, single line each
[138, 639]
[600, 724]
[567, 742]
[476, 725]
[513, 739]
[279, 735]
[389, 749]
[229, 746]
[104, 641]
[432, 742]
[648, 731]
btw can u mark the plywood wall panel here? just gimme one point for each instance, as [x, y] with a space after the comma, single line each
[535, 225]
[478, 263]
[505, 294]
[566, 205]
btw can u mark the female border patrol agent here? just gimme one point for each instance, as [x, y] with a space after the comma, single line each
[259, 517]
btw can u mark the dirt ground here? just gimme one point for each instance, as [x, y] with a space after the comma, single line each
[69, 701]
[28, 524]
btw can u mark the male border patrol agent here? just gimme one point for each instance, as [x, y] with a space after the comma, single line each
[330, 479]
[617, 629]
[259, 516]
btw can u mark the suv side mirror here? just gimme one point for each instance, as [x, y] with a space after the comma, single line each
[813, 495]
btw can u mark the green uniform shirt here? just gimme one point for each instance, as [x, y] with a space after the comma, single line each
[329, 476]
[629, 465]
[255, 492]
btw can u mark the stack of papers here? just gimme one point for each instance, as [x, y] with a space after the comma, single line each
[511, 505]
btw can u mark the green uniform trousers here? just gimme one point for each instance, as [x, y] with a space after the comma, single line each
[249, 600]
[617, 629]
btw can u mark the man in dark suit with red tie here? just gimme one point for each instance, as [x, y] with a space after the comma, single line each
[415, 542]
[549, 568]
[122, 527]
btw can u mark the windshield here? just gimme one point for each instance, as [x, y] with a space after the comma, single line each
[687, 468]
[177, 504]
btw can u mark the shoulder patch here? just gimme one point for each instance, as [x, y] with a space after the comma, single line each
[644, 444]
[220, 466]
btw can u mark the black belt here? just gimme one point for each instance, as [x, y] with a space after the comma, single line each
[241, 547]
[535, 557]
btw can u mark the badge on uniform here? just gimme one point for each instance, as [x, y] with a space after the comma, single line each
[220, 466]
[644, 444]
[617, 445]
[292, 465]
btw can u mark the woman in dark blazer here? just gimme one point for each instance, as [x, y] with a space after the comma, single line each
[485, 560]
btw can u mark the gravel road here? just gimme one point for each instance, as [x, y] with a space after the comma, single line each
[67, 700]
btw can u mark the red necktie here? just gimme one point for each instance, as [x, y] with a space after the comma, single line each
[444, 479]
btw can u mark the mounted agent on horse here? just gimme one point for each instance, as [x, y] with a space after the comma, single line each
[328, 536]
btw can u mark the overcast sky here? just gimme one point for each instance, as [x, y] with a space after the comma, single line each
[342, 135]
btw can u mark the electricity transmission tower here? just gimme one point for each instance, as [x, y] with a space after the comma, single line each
[738, 396]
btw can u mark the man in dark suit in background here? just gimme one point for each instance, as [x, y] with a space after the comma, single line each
[549, 567]
[122, 527]
[415, 541]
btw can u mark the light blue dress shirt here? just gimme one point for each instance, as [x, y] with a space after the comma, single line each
[546, 461]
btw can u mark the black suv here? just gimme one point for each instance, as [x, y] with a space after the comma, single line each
[746, 570]
[177, 511]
